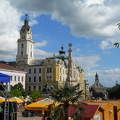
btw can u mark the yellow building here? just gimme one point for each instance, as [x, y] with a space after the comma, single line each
[51, 72]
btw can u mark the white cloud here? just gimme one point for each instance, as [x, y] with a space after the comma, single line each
[41, 53]
[92, 2]
[107, 77]
[41, 44]
[89, 18]
[87, 62]
[9, 21]
[107, 44]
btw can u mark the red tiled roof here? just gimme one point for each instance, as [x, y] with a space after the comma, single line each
[89, 110]
[8, 67]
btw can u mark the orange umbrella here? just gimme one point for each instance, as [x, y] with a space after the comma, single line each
[16, 99]
[2, 99]
[40, 105]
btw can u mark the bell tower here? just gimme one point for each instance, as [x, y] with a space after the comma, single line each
[25, 45]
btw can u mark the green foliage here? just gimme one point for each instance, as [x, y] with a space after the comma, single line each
[65, 96]
[57, 113]
[114, 92]
[15, 93]
[17, 90]
[18, 86]
[35, 94]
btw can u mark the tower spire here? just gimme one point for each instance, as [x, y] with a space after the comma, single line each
[26, 21]
[62, 50]
[96, 77]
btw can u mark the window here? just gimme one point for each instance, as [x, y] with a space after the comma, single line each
[29, 71]
[22, 45]
[22, 53]
[39, 87]
[34, 70]
[34, 79]
[39, 70]
[18, 78]
[34, 87]
[39, 78]
[29, 88]
[15, 78]
[22, 79]
[49, 77]
[49, 70]
[60, 78]
[29, 79]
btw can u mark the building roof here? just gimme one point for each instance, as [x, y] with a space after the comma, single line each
[89, 110]
[8, 67]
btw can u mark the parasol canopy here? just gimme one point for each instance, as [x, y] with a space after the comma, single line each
[40, 105]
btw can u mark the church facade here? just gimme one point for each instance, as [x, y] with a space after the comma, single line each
[98, 91]
[44, 73]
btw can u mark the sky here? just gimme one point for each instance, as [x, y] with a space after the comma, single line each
[90, 25]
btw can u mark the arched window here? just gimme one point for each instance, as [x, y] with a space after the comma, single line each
[29, 88]
[22, 53]
[22, 45]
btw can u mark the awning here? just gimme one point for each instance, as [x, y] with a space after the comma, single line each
[4, 78]
[39, 105]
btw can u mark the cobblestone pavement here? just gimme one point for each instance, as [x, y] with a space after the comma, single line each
[19, 117]
[29, 118]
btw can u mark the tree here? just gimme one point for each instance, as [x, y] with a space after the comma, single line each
[117, 44]
[114, 92]
[18, 86]
[65, 96]
[35, 94]
[17, 90]
[16, 93]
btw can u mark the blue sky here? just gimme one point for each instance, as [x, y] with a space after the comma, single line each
[90, 25]
[57, 34]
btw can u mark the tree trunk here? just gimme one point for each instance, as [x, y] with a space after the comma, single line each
[66, 105]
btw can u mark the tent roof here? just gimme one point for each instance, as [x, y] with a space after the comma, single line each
[4, 78]
[89, 110]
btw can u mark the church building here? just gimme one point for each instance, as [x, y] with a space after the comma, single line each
[97, 90]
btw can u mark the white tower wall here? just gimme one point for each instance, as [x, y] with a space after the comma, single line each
[25, 45]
